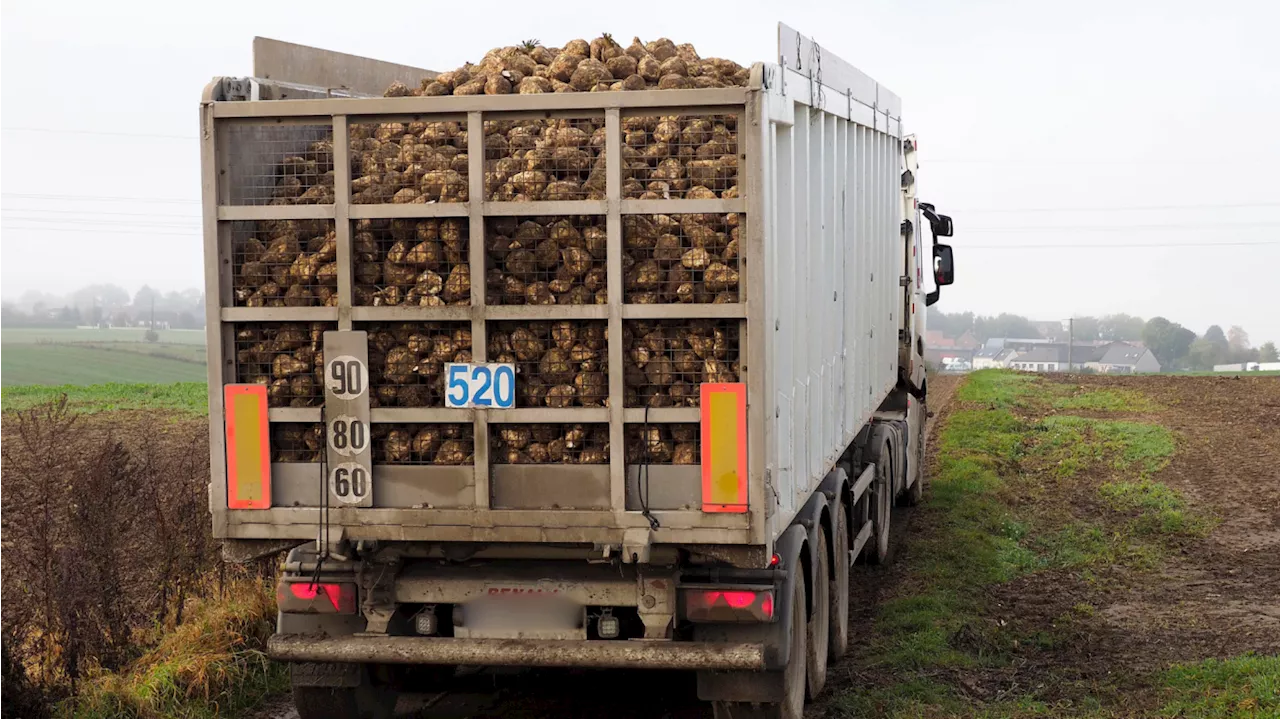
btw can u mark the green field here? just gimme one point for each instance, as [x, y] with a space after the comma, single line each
[182, 396]
[88, 356]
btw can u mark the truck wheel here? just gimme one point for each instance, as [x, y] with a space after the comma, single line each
[365, 701]
[793, 677]
[882, 498]
[819, 626]
[839, 632]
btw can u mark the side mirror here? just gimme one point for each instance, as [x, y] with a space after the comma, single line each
[941, 225]
[944, 270]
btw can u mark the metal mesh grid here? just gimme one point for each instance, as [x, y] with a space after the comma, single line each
[546, 260]
[558, 364]
[406, 360]
[280, 164]
[666, 360]
[406, 163]
[664, 443]
[296, 441]
[675, 157]
[550, 443]
[284, 263]
[411, 262]
[443, 444]
[287, 357]
[544, 159]
[681, 258]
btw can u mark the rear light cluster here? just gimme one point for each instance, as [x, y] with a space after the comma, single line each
[306, 597]
[728, 605]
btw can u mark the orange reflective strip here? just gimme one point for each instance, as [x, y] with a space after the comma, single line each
[724, 447]
[248, 446]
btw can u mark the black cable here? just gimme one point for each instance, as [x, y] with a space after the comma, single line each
[322, 526]
[642, 477]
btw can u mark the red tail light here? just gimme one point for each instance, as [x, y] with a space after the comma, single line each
[728, 605]
[304, 597]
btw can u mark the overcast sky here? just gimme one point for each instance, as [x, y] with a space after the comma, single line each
[1134, 144]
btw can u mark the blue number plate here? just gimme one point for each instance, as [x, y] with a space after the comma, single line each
[489, 386]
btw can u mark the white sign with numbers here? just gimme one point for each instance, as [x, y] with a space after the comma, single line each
[346, 412]
[487, 386]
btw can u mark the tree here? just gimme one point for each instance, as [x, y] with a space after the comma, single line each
[1168, 341]
[1215, 335]
[1120, 327]
[1004, 325]
[1086, 329]
[949, 324]
[1204, 354]
[143, 298]
[1237, 339]
[1267, 352]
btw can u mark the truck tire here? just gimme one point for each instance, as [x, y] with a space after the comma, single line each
[877, 551]
[793, 677]
[364, 701]
[819, 625]
[839, 633]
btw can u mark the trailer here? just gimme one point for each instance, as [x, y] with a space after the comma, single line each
[693, 500]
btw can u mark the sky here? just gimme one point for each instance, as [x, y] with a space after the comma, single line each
[1097, 157]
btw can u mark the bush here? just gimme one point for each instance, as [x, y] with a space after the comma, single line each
[106, 527]
[151, 336]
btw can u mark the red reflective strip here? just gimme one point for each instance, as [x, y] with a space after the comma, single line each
[248, 447]
[712, 462]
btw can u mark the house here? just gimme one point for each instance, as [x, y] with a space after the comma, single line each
[967, 341]
[992, 357]
[1046, 358]
[1122, 358]
[937, 340]
[1056, 357]
[949, 360]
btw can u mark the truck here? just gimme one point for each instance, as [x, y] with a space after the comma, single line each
[654, 433]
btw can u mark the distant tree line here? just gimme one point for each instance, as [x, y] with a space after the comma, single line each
[1174, 345]
[106, 304]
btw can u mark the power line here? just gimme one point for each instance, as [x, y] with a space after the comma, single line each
[1085, 162]
[43, 211]
[1123, 228]
[1134, 208]
[103, 223]
[98, 198]
[92, 231]
[140, 135]
[1118, 245]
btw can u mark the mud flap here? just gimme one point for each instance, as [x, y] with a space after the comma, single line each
[766, 686]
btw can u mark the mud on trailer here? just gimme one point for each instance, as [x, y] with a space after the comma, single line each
[722, 455]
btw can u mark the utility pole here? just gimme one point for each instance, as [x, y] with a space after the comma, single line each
[1071, 342]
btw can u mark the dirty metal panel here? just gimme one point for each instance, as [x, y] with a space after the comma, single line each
[529, 486]
[664, 487]
[298, 484]
[304, 65]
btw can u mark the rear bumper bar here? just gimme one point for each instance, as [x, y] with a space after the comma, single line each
[519, 652]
